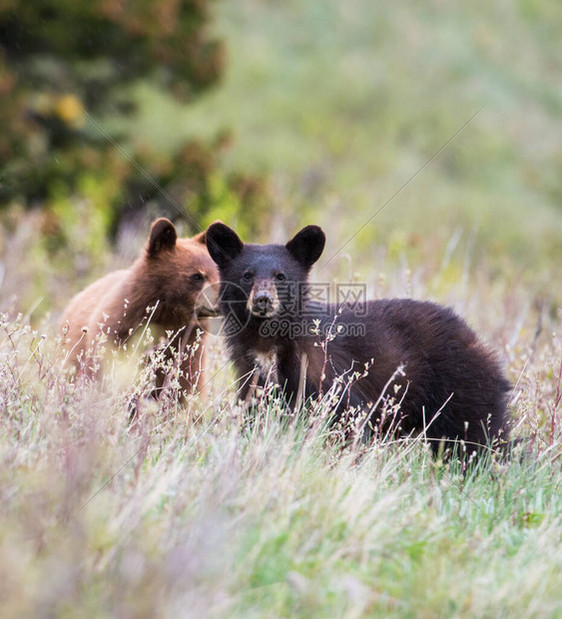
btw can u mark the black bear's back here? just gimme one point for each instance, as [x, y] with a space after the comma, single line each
[449, 373]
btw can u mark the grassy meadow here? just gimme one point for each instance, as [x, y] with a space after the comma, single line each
[347, 109]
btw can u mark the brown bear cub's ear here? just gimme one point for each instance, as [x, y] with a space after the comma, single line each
[307, 245]
[223, 244]
[200, 238]
[163, 235]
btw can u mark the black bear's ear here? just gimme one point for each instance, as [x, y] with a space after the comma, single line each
[223, 244]
[163, 235]
[307, 245]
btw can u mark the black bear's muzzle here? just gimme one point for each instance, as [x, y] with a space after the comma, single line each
[263, 301]
[263, 305]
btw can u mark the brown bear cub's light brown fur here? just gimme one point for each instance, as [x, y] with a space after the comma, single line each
[168, 278]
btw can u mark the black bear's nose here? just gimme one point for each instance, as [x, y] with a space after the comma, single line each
[263, 301]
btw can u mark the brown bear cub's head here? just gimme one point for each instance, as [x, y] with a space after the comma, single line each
[260, 282]
[180, 274]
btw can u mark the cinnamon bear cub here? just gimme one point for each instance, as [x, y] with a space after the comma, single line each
[401, 366]
[163, 286]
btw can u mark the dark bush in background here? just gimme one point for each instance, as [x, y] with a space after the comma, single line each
[67, 68]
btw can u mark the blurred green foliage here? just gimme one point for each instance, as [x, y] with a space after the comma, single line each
[67, 68]
[341, 106]
[343, 102]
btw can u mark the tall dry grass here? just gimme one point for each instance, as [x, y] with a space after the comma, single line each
[190, 511]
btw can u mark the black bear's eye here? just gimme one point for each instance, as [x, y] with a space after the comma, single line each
[248, 276]
[197, 277]
[280, 277]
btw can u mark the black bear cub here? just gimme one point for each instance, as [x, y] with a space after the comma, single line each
[407, 366]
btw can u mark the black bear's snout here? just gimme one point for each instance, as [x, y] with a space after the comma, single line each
[263, 304]
[263, 301]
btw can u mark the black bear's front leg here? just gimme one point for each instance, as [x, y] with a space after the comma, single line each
[249, 378]
[292, 371]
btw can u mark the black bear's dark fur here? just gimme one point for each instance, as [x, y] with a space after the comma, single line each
[451, 386]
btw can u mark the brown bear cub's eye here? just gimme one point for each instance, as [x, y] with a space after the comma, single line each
[248, 276]
[197, 277]
[280, 277]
